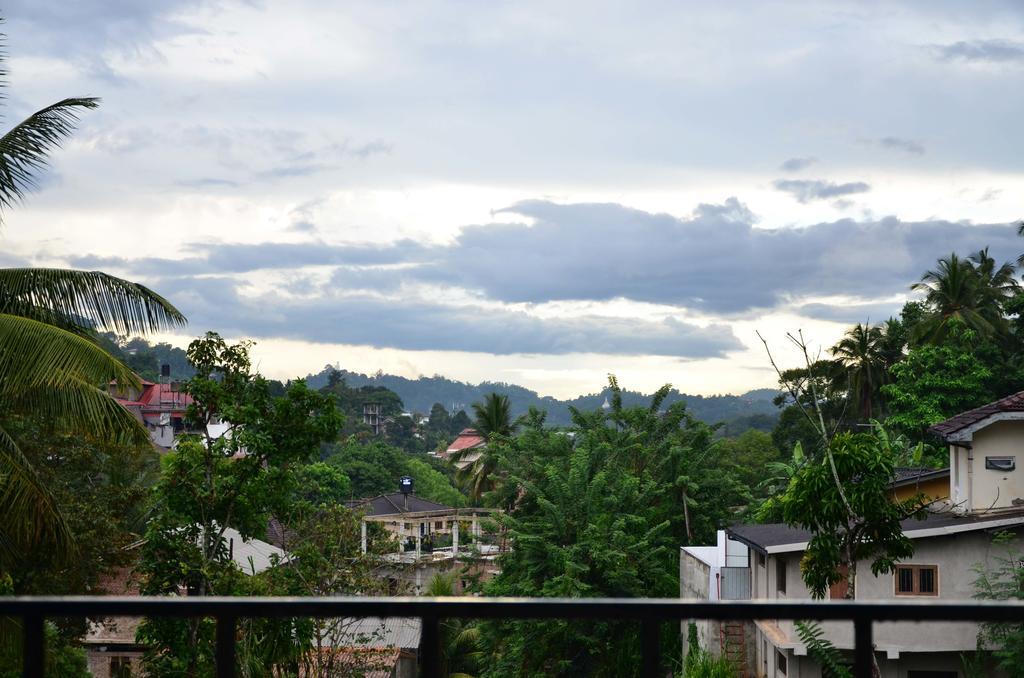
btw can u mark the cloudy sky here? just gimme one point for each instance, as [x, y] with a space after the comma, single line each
[534, 192]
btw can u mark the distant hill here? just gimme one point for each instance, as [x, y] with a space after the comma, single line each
[753, 409]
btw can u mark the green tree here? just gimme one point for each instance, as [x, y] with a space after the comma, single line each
[844, 500]
[493, 421]
[210, 483]
[861, 355]
[935, 382]
[597, 513]
[493, 417]
[1002, 578]
[969, 291]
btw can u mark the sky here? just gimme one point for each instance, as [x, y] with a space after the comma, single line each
[540, 193]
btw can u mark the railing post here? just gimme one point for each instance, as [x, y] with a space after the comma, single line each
[430, 647]
[33, 646]
[650, 647]
[226, 646]
[863, 648]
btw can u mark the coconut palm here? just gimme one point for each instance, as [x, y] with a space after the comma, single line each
[51, 366]
[860, 353]
[996, 284]
[952, 292]
[493, 421]
[493, 416]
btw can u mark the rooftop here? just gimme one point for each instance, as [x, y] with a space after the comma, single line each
[961, 426]
[781, 538]
[396, 503]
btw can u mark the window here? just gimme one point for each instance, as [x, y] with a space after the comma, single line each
[120, 667]
[1000, 463]
[760, 560]
[438, 524]
[780, 575]
[917, 580]
[780, 663]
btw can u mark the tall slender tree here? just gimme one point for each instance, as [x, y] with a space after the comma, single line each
[493, 421]
[860, 353]
[951, 293]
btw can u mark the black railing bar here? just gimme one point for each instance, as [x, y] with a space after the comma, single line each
[34, 646]
[664, 609]
[650, 647]
[225, 651]
[863, 649]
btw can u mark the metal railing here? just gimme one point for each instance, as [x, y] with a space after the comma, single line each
[650, 612]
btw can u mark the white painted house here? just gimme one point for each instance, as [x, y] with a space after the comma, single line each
[986, 495]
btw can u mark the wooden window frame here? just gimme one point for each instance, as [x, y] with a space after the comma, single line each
[916, 580]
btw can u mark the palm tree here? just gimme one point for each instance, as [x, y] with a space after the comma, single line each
[952, 292]
[996, 284]
[51, 365]
[493, 421]
[860, 354]
[460, 639]
[493, 416]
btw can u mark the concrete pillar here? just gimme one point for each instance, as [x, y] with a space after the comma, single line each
[362, 534]
[419, 539]
[476, 531]
[455, 538]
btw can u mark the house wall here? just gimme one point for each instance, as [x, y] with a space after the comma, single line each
[955, 556]
[998, 489]
[936, 488]
[695, 584]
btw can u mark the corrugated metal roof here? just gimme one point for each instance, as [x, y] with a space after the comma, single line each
[402, 633]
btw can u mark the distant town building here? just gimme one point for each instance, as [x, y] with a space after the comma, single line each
[159, 406]
[465, 449]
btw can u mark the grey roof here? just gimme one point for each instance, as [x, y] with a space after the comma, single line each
[905, 476]
[395, 504]
[776, 537]
[400, 633]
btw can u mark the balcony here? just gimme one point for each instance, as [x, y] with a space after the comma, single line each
[649, 613]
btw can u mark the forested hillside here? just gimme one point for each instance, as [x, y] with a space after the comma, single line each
[753, 409]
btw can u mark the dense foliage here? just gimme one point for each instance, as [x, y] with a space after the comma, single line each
[595, 511]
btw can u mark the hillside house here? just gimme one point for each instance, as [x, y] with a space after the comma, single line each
[465, 449]
[160, 407]
[981, 493]
[431, 537]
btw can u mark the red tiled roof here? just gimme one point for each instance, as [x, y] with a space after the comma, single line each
[1011, 403]
[467, 439]
[159, 398]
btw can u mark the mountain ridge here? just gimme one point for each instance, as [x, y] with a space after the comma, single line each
[753, 409]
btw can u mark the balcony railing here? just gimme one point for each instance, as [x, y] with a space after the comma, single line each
[650, 612]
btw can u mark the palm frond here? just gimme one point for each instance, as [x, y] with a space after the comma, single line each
[28, 513]
[82, 408]
[88, 299]
[34, 354]
[24, 149]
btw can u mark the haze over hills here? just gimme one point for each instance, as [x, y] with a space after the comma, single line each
[753, 409]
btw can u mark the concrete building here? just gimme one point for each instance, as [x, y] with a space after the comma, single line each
[160, 407]
[432, 538]
[981, 493]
